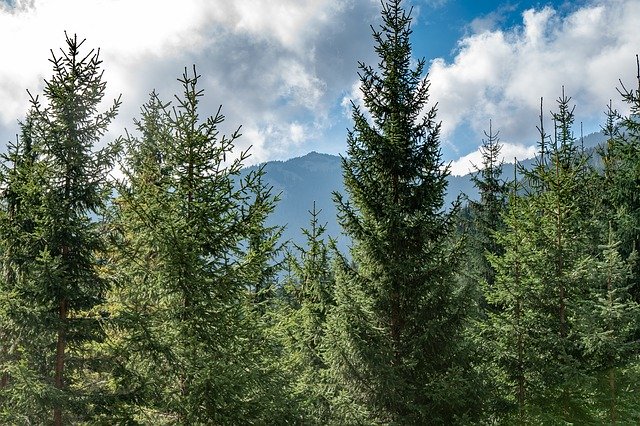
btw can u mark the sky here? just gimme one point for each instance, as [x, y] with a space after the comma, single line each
[286, 70]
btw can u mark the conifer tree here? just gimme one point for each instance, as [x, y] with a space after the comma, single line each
[609, 319]
[191, 349]
[546, 285]
[512, 308]
[486, 213]
[395, 346]
[308, 296]
[56, 186]
[621, 176]
[263, 248]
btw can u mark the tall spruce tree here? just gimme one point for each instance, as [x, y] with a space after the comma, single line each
[612, 344]
[192, 350]
[395, 334]
[55, 188]
[511, 315]
[622, 175]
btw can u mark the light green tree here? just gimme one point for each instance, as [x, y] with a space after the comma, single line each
[56, 187]
[192, 348]
[306, 299]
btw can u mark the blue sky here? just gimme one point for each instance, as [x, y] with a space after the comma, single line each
[286, 70]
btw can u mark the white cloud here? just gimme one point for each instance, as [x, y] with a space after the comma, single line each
[296, 132]
[503, 74]
[473, 161]
[289, 22]
[353, 97]
[127, 32]
[269, 64]
[300, 86]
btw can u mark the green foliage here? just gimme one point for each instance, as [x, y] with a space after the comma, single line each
[493, 198]
[536, 289]
[395, 351]
[52, 287]
[481, 219]
[306, 298]
[552, 330]
[192, 349]
[621, 177]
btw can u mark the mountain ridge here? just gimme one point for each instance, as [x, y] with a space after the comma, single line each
[313, 177]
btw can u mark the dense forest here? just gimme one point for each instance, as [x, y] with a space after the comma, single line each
[159, 295]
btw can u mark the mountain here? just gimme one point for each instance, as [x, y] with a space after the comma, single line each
[314, 177]
[300, 182]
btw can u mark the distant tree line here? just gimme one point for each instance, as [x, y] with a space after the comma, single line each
[140, 283]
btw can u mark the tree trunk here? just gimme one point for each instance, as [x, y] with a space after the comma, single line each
[612, 395]
[60, 347]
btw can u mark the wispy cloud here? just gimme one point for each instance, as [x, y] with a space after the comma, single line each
[492, 20]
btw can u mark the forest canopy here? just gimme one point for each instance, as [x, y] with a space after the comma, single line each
[160, 294]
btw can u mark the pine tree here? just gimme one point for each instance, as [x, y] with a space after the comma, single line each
[485, 214]
[191, 348]
[621, 157]
[56, 187]
[545, 283]
[307, 298]
[395, 335]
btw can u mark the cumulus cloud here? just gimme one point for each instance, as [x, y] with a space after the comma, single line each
[503, 74]
[278, 70]
[473, 161]
[286, 70]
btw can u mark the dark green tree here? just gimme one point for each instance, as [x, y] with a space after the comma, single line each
[307, 298]
[395, 350]
[56, 187]
[621, 177]
[505, 331]
[485, 214]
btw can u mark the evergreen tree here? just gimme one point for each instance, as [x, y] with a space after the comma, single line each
[550, 280]
[621, 177]
[262, 250]
[56, 185]
[512, 315]
[192, 351]
[485, 214]
[609, 319]
[308, 296]
[395, 347]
